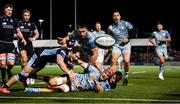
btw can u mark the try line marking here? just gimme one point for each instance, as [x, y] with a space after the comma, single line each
[101, 99]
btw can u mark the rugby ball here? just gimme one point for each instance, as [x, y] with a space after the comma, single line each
[105, 41]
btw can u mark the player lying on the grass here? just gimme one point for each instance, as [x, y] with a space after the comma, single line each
[91, 80]
[62, 56]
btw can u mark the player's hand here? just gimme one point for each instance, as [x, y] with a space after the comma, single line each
[24, 41]
[72, 76]
[98, 87]
[73, 80]
[125, 40]
[32, 39]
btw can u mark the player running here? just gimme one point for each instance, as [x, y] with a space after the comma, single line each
[101, 52]
[119, 30]
[159, 39]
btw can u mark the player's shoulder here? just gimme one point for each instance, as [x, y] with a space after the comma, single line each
[154, 32]
[125, 22]
[111, 25]
[90, 35]
[165, 31]
[102, 32]
[62, 50]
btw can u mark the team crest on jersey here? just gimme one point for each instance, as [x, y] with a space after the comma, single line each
[29, 24]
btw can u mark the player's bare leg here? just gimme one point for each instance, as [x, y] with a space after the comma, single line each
[61, 88]
[161, 66]
[126, 67]
[19, 77]
[3, 67]
[114, 61]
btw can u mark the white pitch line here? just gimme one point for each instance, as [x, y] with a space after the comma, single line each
[102, 99]
[139, 72]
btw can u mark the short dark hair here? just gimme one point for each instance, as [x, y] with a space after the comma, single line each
[81, 25]
[159, 23]
[76, 49]
[118, 78]
[97, 22]
[116, 11]
[8, 5]
[26, 11]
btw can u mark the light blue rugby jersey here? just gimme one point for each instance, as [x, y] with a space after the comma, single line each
[97, 34]
[51, 52]
[87, 42]
[48, 52]
[159, 36]
[86, 82]
[120, 31]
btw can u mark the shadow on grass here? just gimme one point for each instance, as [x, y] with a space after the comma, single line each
[173, 95]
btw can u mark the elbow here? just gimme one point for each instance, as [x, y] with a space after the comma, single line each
[37, 35]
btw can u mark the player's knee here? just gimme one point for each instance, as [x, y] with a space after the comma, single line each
[162, 61]
[65, 88]
[10, 62]
[3, 64]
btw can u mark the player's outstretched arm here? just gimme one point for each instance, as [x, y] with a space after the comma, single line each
[98, 88]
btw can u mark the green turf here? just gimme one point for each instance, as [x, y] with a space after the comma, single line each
[143, 84]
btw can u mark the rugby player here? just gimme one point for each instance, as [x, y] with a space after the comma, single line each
[30, 32]
[119, 30]
[159, 39]
[92, 80]
[8, 27]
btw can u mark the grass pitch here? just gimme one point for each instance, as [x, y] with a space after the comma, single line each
[144, 87]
